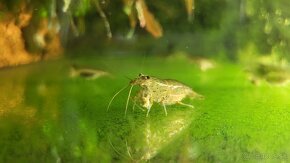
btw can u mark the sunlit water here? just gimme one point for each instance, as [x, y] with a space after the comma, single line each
[47, 116]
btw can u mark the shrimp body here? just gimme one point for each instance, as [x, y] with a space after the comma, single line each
[162, 91]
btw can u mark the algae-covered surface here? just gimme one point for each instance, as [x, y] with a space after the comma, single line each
[48, 116]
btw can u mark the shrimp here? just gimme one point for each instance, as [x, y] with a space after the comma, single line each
[165, 92]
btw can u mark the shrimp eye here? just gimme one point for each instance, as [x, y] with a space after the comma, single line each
[147, 77]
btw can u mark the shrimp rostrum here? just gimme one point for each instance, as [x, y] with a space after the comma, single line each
[161, 91]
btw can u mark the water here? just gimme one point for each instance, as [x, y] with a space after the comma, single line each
[47, 116]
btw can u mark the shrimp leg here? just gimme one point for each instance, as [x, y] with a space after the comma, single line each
[148, 110]
[164, 106]
[188, 105]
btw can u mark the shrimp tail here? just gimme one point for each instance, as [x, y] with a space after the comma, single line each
[195, 95]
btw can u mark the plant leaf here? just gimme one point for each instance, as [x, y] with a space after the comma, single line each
[147, 19]
[189, 4]
[128, 9]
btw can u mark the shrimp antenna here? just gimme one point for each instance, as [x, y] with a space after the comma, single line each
[128, 99]
[117, 150]
[128, 150]
[128, 78]
[115, 96]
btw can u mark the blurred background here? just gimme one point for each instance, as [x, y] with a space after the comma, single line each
[62, 61]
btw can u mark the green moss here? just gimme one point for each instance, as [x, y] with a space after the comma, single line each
[236, 122]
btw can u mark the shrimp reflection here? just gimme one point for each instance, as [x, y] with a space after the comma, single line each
[148, 138]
